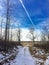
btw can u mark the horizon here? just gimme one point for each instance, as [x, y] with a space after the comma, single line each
[24, 34]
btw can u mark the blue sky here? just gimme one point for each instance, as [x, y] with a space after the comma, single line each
[38, 11]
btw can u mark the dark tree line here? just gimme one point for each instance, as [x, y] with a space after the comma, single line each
[8, 9]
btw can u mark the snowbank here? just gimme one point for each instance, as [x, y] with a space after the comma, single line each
[47, 61]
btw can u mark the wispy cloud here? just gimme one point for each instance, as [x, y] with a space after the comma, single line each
[27, 13]
[44, 23]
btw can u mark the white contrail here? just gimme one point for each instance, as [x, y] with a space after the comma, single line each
[27, 13]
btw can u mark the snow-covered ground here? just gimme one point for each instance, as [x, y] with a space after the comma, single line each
[42, 58]
[23, 58]
[1, 56]
[47, 61]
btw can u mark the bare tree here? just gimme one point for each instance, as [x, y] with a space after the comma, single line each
[19, 35]
[7, 6]
[7, 21]
[48, 35]
[8, 9]
[1, 26]
[31, 34]
[11, 33]
[45, 34]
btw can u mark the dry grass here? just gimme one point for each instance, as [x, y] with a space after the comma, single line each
[27, 43]
[34, 51]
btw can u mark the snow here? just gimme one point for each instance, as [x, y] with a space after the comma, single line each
[1, 56]
[23, 58]
[47, 61]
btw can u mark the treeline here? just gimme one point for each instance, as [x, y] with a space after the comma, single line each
[9, 45]
[43, 45]
[6, 24]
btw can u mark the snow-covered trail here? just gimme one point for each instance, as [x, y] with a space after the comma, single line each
[23, 58]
